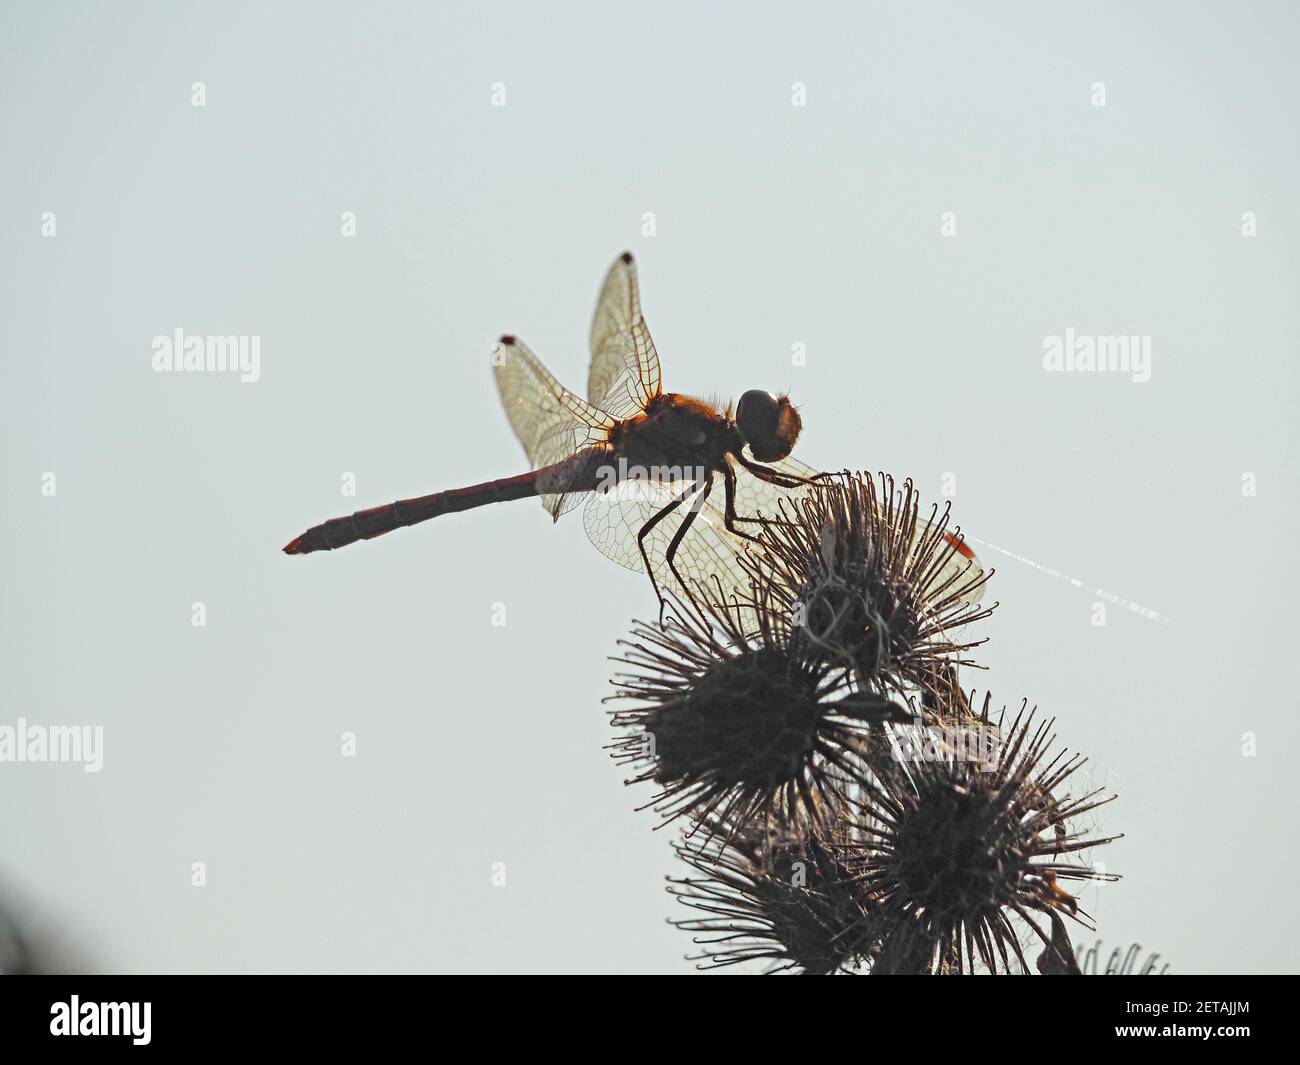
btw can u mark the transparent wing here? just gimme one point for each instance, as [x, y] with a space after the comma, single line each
[961, 569]
[757, 498]
[624, 374]
[550, 421]
[614, 519]
[960, 573]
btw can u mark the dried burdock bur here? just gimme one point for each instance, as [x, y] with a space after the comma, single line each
[770, 894]
[943, 699]
[943, 727]
[904, 950]
[961, 856]
[1057, 958]
[871, 583]
[1125, 962]
[737, 718]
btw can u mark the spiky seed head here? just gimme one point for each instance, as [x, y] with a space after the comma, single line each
[739, 722]
[772, 893]
[956, 853]
[869, 582]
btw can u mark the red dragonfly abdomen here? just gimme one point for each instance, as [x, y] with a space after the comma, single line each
[576, 474]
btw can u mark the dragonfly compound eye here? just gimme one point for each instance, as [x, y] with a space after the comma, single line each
[769, 424]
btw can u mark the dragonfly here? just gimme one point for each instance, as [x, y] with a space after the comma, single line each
[645, 464]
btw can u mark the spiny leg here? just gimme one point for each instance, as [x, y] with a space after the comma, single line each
[705, 488]
[729, 516]
[771, 476]
[646, 529]
[776, 477]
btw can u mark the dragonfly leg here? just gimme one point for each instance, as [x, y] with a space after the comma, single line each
[705, 486]
[729, 517]
[776, 477]
[771, 476]
[646, 530]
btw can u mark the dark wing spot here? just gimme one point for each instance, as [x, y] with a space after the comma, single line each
[507, 338]
[626, 257]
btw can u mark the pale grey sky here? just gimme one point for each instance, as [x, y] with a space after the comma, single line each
[776, 225]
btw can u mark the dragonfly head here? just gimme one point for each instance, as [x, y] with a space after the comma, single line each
[769, 424]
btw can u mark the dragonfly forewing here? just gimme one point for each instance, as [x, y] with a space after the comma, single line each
[624, 374]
